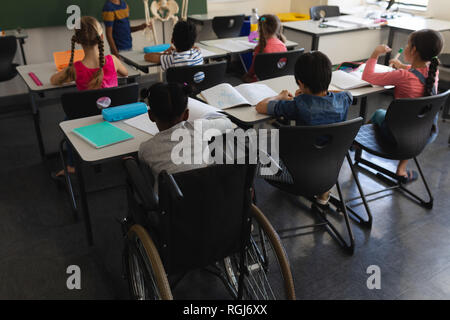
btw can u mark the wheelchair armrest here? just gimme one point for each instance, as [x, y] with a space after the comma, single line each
[140, 185]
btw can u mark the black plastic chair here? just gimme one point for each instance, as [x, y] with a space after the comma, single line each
[319, 12]
[200, 219]
[8, 49]
[278, 64]
[228, 26]
[214, 74]
[313, 156]
[410, 123]
[83, 104]
[445, 62]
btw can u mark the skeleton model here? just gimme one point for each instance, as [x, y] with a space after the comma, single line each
[162, 10]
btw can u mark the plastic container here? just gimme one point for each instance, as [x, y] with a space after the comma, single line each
[254, 18]
[292, 16]
[124, 112]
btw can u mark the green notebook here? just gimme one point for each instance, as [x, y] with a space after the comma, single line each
[102, 134]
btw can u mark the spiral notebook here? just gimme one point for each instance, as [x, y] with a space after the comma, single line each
[102, 134]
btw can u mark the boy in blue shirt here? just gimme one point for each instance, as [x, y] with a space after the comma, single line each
[313, 104]
[116, 15]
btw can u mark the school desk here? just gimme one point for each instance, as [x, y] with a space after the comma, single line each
[20, 36]
[222, 43]
[86, 154]
[136, 58]
[43, 72]
[248, 116]
[351, 42]
[411, 24]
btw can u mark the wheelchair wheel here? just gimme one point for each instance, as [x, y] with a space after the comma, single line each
[268, 273]
[147, 279]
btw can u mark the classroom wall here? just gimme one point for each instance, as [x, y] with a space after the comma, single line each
[302, 6]
[245, 6]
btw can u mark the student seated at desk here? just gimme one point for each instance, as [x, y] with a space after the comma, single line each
[418, 79]
[95, 71]
[271, 40]
[168, 109]
[184, 53]
[313, 104]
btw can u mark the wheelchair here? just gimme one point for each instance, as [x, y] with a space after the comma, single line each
[200, 219]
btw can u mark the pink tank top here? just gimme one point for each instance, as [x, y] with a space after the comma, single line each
[84, 74]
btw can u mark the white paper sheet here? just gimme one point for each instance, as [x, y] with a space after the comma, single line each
[143, 123]
[198, 109]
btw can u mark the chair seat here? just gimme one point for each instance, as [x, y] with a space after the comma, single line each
[369, 139]
[445, 59]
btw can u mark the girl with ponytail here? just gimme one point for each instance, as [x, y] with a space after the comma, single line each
[271, 39]
[96, 70]
[417, 79]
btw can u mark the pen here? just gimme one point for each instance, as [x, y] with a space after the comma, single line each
[397, 56]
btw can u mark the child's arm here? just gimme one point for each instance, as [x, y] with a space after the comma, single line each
[60, 78]
[397, 64]
[262, 106]
[139, 27]
[380, 78]
[120, 68]
[154, 57]
[112, 43]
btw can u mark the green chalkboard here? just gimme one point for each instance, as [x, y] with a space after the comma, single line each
[45, 13]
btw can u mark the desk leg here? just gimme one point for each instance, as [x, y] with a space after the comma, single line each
[315, 43]
[363, 108]
[37, 125]
[390, 43]
[22, 42]
[363, 114]
[83, 198]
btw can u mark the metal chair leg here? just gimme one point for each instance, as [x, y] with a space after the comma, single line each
[73, 202]
[366, 223]
[348, 246]
[427, 204]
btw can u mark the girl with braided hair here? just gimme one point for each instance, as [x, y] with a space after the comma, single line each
[271, 40]
[95, 71]
[417, 79]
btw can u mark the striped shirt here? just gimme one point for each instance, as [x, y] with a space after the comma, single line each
[117, 17]
[192, 57]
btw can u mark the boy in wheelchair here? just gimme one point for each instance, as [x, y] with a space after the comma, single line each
[168, 109]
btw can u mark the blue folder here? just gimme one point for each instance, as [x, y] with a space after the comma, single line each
[102, 134]
[157, 48]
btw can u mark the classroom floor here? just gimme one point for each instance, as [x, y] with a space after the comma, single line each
[39, 238]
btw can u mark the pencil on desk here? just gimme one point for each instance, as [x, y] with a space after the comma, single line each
[35, 79]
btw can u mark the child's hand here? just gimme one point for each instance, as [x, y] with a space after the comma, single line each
[169, 51]
[285, 95]
[143, 26]
[381, 49]
[396, 64]
[298, 92]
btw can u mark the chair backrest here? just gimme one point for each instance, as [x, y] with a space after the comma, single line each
[8, 48]
[82, 104]
[213, 74]
[328, 11]
[313, 155]
[228, 26]
[206, 215]
[278, 64]
[410, 122]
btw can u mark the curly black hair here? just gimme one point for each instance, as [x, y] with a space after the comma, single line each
[184, 35]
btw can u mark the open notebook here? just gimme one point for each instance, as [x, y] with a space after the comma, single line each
[224, 96]
[197, 110]
[352, 80]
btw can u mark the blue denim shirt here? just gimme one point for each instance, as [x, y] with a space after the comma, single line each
[306, 109]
